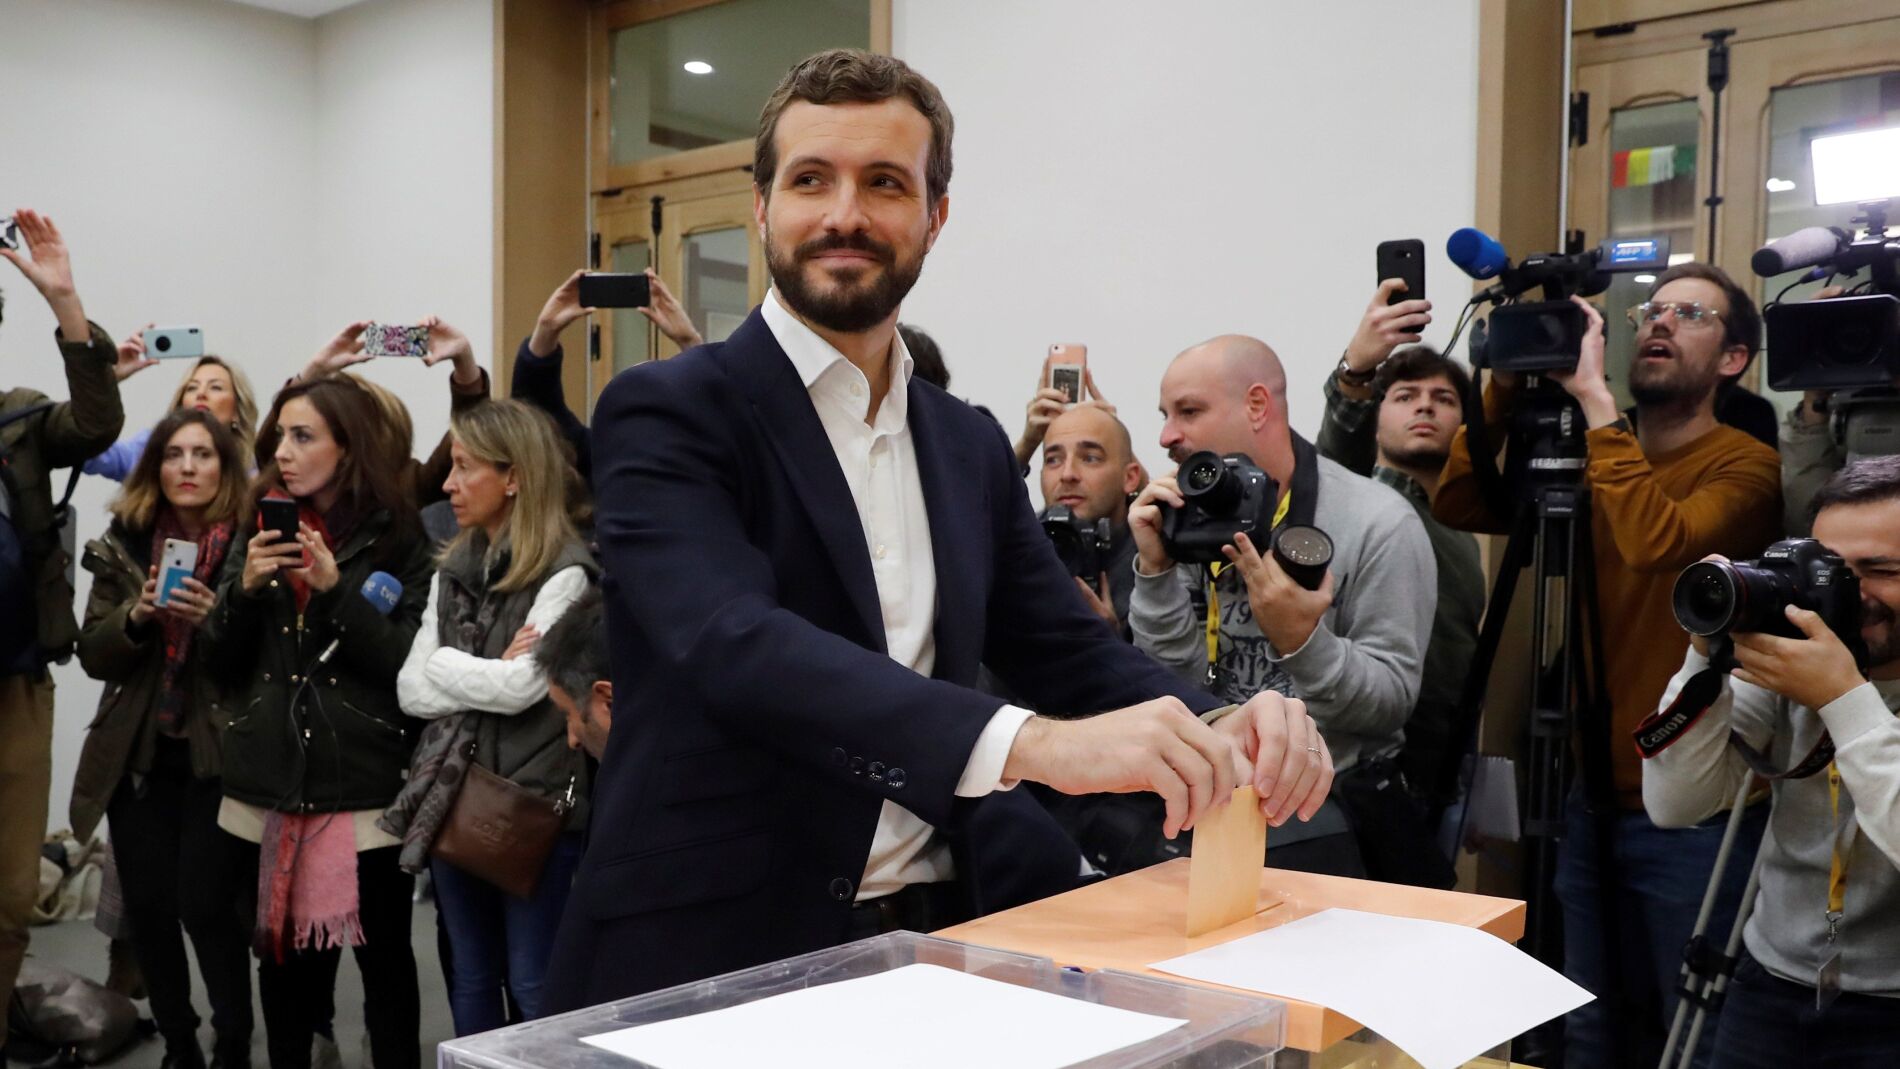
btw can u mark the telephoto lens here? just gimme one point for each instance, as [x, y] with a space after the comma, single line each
[1304, 552]
[1715, 597]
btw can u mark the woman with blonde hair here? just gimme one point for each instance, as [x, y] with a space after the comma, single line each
[151, 760]
[516, 566]
[212, 385]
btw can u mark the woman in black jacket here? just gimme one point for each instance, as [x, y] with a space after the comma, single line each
[314, 630]
[150, 761]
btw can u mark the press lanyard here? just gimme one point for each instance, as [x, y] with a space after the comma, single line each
[1837, 870]
[1213, 597]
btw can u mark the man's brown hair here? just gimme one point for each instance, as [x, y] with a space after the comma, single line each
[852, 76]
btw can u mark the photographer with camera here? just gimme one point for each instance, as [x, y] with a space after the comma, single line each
[1089, 475]
[1226, 610]
[1391, 416]
[1826, 921]
[1664, 491]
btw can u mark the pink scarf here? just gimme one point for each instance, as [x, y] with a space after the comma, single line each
[306, 884]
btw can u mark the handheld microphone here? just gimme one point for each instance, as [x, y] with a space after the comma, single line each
[1477, 253]
[382, 591]
[1806, 247]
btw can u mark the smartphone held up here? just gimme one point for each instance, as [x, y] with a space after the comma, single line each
[1068, 371]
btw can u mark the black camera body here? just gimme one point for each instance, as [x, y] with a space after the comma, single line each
[1080, 545]
[1225, 496]
[1717, 598]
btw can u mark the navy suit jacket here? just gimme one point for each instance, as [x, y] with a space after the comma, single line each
[759, 724]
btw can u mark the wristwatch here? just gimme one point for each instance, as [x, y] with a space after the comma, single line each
[1355, 378]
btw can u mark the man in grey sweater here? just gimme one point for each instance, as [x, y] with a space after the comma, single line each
[1351, 650]
[1827, 920]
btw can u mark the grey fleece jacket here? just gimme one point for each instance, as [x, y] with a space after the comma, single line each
[1698, 776]
[1359, 671]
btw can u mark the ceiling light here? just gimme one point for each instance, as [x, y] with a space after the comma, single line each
[1856, 167]
[698, 66]
[1779, 185]
[1643, 280]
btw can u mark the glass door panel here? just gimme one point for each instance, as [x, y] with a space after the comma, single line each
[1653, 183]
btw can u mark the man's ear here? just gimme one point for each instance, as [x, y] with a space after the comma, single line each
[603, 690]
[939, 215]
[1259, 405]
[1734, 360]
[1134, 477]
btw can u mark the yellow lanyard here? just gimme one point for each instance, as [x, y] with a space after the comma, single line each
[1214, 572]
[1837, 870]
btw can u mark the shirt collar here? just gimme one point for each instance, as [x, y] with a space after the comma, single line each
[812, 356]
[1401, 482]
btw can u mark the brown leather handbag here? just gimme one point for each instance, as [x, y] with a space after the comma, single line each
[502, 832]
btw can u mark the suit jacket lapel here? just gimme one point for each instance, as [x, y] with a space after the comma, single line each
[792, 427]
[953, 499]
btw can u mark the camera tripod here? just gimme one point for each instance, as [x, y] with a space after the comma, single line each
[1543, 489]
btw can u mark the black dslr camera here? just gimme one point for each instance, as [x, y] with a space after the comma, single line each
[1224, 495]
[1715, 598]
[1081, 546]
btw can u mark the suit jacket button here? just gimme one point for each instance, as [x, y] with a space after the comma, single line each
[896, 778]
[839, 757]
[857, 766]
[841, 889]
[877, 771]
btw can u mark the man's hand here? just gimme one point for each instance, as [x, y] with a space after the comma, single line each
[563, 307]
[664, 311]
[50, 269]
[1586, 382]
[132, 358]
[1386, 327]
[1285, 611]
[1156, 746]
[1100, 601]
[1041, 411]
[341, 351]
[1812, 671]
[1144, 522]
[447, 343]
[1292, 770]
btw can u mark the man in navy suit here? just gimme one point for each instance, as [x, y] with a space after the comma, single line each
[809, 553]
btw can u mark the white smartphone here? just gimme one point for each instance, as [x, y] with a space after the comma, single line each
[179, 560]
[1067, 367]
[171, 343]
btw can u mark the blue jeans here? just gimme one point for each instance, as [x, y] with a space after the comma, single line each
[1768, 1021]
[1661, 874]
[497, 939]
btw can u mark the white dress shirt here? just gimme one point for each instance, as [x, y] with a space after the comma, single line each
[879, 461]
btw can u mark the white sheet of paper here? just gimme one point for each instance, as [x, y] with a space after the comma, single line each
[917, 1016]
[1443, 993]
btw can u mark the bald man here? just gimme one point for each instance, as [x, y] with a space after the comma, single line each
[1352, 650]
[1088, 464]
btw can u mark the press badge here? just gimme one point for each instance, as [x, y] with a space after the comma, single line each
[1827, 979]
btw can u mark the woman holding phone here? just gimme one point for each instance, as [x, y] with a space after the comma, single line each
[313, 629]
[212, 385]
[151, 758]
[516, 566]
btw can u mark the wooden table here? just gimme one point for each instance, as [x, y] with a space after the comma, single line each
[1131, 920]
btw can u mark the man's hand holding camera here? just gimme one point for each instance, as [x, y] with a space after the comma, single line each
[1812, 671]
[1286, 611]
[1586, 381]
[1144, 523]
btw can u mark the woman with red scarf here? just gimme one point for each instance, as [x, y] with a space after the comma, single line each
[318, 746]
[151, 759]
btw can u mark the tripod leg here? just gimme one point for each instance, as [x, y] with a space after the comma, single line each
[1694, 982]
[1733, 951]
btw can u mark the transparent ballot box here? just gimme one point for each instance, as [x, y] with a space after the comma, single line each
[1223, 1031]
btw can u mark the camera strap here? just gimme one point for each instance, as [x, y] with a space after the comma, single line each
[1661, 729]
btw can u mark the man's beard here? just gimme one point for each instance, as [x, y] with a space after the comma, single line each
[1420, 456]
[1873, 612]
[852, 305]
[1669, 386]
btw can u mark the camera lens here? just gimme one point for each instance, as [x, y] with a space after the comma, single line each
[1208, 485]
[1707, 598]
[1304, 552]
[163, 343]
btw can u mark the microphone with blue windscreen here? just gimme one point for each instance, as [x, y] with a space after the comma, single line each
[1477, 253]
[381, 590]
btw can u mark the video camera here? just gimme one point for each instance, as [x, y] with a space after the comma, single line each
[1230, 495]
[1716, 598]
[1544, 335]
[1081, 546]
[1847, 341]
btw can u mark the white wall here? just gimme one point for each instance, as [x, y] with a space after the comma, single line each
[1139, 178]
[264, 176]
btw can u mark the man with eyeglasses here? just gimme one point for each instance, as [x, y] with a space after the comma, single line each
[1667, 487]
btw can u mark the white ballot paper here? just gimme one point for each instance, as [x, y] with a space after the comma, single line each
[1443, 993]
[918, 1016]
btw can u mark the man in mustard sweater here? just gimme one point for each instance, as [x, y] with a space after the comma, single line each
[1667, 487]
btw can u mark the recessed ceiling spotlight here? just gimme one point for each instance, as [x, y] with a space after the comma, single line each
[698, 66]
